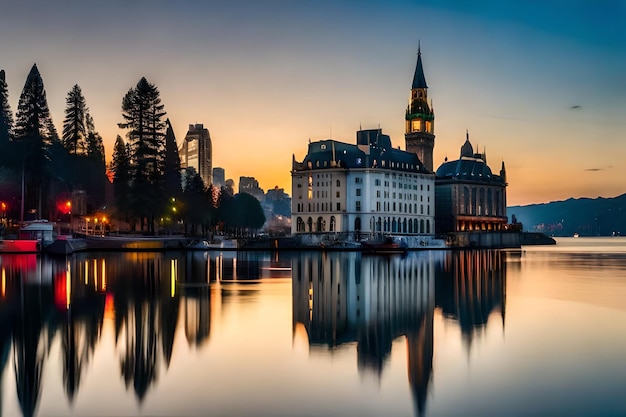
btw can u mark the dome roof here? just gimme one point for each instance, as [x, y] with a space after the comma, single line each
[467, 169]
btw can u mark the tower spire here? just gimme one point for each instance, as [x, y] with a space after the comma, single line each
[419, 81]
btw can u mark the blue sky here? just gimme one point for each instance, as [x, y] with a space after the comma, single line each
[265, 76]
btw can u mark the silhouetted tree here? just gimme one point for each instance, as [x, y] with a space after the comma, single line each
[120, 166]
[6, 116]
[35, 132]
[172, 182]
[197, 207]
[143, 116]
[74, 129]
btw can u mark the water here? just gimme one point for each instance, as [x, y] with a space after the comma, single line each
[540, 331]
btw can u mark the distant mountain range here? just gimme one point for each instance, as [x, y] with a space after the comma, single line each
[585, 216]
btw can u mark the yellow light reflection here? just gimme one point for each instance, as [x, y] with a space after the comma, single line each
[86, 272]
[104, 276]
[95, 274]
[68, 286]
[4, 282]
[173, 274]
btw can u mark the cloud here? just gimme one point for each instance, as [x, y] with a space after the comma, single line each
[576, 107]
[594, 169]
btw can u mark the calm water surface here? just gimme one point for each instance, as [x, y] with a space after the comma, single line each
[536, 332]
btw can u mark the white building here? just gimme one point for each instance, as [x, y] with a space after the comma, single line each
[362, 190]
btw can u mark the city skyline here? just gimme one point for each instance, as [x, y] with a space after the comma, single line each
[541, 88]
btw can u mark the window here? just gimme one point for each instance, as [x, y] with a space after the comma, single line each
[357, 180]
[337, 194]
[358, 192]
[378, 206]
[377, 182]
[378, 193]
[338, 206]
[358, 206]
[338, 183]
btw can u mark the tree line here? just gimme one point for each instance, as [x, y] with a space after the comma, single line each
[151, 193]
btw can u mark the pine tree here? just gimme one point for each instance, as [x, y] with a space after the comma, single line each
[95, 146]
[74, 129]
[120, 166]
[143, 116]
[172, 181]
[35, 131]
[6, 116]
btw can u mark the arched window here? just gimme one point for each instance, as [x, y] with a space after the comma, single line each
[422, 226]
[300, 227]
[310, 224]
[404, 229]
[333, 224]
[394, 225]
[489, 206]
[373, 224]
[410, 225]
[415, 226]
[428, 226]
[357, 224]
[379, 225]
[320, 225]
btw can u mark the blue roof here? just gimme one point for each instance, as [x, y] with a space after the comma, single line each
[374, 150]
[468, 169]
[419, 81]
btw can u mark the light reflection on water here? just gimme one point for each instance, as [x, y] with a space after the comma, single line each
[534, 332]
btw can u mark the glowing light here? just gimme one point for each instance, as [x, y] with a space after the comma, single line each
[95, 274]
[86, 272]
[173, 274]
[4, 282]
[68, 286]
[103, 275]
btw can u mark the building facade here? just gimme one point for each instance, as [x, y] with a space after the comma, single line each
[219, 177]
[468, 196]
[196, 152]
[362, 190]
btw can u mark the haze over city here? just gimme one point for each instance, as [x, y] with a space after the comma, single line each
[540, 85]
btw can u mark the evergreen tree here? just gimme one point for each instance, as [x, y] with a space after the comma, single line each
[143, 116]
[74, 129]
[35, 131]
[172, 181]
[6, 116]
[120, 166]
[95, 146]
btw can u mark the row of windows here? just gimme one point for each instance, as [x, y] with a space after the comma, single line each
[380, 206]
[317, 207]
[377, 224]
[481, 202]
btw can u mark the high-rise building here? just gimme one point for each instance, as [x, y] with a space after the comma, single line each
[219, 177]
[420, 119]
[251, 186]
[196, 152]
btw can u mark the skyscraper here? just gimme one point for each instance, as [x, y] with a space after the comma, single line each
[219, 177]
[196, 151]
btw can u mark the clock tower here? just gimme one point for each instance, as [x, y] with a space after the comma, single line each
[420, 119]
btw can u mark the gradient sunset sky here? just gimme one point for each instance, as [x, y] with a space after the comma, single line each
[539, 84]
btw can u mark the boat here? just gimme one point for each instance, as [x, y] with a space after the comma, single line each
[386, 245]
[576, 235]
[32, 238]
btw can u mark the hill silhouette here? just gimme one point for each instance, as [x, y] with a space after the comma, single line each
[585, 216]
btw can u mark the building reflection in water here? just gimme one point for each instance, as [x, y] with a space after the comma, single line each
[373, 300]
[370, 300]
[339, 298]
[470, 286]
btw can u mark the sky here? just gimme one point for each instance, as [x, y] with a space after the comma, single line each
[540, 85]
